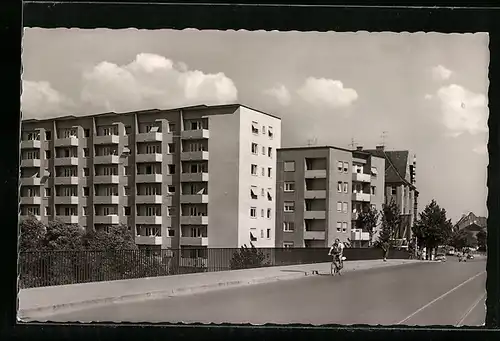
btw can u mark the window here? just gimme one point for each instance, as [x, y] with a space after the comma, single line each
[344, 207]
[262, 192]
[289, 166]
[48, 154]
[126, 190]
[270, 132]
[128, 170]
[171, 127]
[126, 210]
[86, 171]
[263, 171]
[253, 212]
[171, 169]
[171, 211]
[288, 245]
[268, 234]
[289, 186]
[269, 213]
[339, 186]
[339, 206]
[263, 129]
[171, 232]
[374, 171]
[346, 167]
[270, 151]
[263, 150]
[48, 211]
[86, 132]
[128, 130]
[289, 206]
[86, 191]
[261, 233]
[85, 210]
[253, 169]
[340, 166]
[254, 148]
[85, 152]
[255, 128]
[33, 136]
[253, 192]
[394, 190]
[269, 195]
[288, 226]
[372, 188]
[269, 172]
[339, 226]
[171, 148]
[262, 212]
[344, 227]
[346, 187]
[48, 192]
[171, 189]
[48, 135]
[196, 125]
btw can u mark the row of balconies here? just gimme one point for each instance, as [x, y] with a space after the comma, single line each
[356, 234]
[167, 241]
[321, 174]
[139, 220]
[114, 199]
[115, 139]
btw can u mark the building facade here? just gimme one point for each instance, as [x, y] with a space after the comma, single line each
[179, 178]
[400, 186]
[320, 192]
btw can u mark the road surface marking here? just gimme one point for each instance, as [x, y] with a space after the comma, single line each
[471, 308]
[440, 297]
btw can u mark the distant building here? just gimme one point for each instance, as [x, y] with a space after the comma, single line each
[320, 192]
[193, 177]
[471, 223]
[400, 185]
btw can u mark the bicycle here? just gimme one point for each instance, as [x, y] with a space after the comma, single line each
[336, 265]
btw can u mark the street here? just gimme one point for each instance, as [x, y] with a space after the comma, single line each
[450, 293]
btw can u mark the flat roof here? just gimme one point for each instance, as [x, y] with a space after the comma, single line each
[329, 147]
[151, 111]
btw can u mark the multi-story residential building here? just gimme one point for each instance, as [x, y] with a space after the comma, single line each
[400, 186]
[471, 223]
[201, 176]
[321, 190]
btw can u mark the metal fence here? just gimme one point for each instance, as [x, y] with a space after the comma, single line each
[47, 268]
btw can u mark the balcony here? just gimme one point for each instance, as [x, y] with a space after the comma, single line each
[149, 240]
[364, 197]
[355, 216]
[194, 198]
[318, 194]
[67, 142]
[194, 241]
[106, 159]
[30, 163]
[360, 177]
[66, 200]
[194, 220]
[194, 156]
[107, 139]
[31, 181]
[149, 158]
[148, 199]
[315, 174]
[195, 134]
[29, 216]
[31, 144]
[149, 178]
[314, 214]
[358, 234]
[31, 200]
[67, 219]
[314, 235]
[66, 161]
[66, 180]
[106, 179]
[148, 220]
[106, 200]
[149, 137]
[106, 219]
[194, 177]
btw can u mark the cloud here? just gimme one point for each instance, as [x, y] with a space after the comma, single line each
[39, 99]
[481, 150]
[428, 97]
[153, 81]
[281, 93]
[440, 73]
[328, 92]
[463, 110]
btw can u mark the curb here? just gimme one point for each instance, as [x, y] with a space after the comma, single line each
[43, 313]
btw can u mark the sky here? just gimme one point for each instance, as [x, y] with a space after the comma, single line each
[426, 91]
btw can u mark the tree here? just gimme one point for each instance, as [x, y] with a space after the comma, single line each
[368, 221]
[60, 236]
[391, 221]
[482, 239]
[433, 228]
[32, 235]
[116, 238]
[247, 257]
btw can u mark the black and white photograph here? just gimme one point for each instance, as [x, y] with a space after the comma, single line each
[208, 176]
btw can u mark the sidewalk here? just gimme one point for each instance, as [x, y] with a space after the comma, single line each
[44, 301]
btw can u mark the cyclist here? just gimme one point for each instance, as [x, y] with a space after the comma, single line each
[337, 251]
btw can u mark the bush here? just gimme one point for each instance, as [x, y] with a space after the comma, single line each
[248, 257]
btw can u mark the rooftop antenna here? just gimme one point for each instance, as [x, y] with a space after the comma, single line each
[384, 137]
[353, 143]
[312, 142]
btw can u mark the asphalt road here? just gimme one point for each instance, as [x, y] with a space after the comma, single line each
[450, 293]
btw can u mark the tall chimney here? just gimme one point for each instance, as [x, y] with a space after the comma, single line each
[359, 148]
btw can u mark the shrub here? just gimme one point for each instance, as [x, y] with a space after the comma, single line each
[248, 257]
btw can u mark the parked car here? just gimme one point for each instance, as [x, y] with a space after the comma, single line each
[470, 256]
[451, 252]
[440, 257]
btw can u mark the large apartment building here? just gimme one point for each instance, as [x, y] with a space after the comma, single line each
[321, 190]
[201, 176]
[400, 185]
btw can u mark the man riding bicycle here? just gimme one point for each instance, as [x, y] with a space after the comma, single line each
[337, 251]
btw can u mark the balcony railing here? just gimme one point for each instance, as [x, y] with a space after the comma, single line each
[156, 157]
[317, 194]
[360, 177]
[148, 199]
[106, 179]
[33, 181]
[107, 139]
[194, 156]
[194, 220]
[315, 174]
[149, 240]
[66, 161]
[148, 220]
[194, 177]
[364, 197]
[194, 198]
[314, 214]
[195, 134]
[66, 180]
[66, 200]
[194, 241]
[31, 200]
[149, 137]
[106, 159]
[30, 163]
[66, 142]
[358, 234]
[31, 144]
[106, 199]
[149, 178]
[67, 219]
[314, 235]
[106, 219]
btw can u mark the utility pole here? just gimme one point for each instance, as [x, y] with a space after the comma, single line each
[353, 144]
[384, 137]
